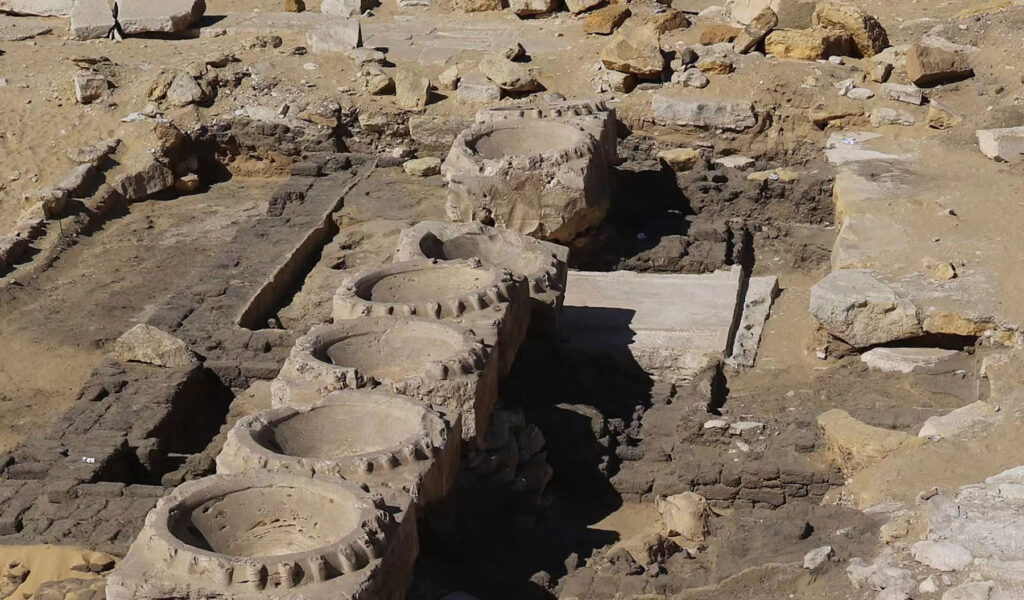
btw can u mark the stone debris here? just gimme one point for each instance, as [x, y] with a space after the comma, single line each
[869, 37]
[90, 87]
[91, 19]
[755, 31]
[422, 167]
[808, 44]
[508, 75]
[146, 344]
[344, 8]
[477, 89]
[605, 21]
[636, 51]
[686, 515]
[719, 34]
[859, 309]
[903, 93]
[942, 556]
[681, 159]
[819, 556]
[42, 8]
[1005, 145]
[908, 360]
[339, 35]
[712, 114]
[412, 92]
[525, 8]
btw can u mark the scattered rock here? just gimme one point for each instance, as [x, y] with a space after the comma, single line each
[375, 81]
[957, 421]
[367, 56]
[147, 344]
[942, 116]
[880, 72]
[184, 90]
[680, 159]
[294, 6]
[94, 154]
[941, 556]
[853, 445]
[869, 37]
[578, 6]
[755, 31]
[187, 183]
[935, 62]
[859, 309]
[411, 90]
[636, 51]
[906, 360]
[90, 87]
[166, 16]
[508, 75]
[666, 20]
[448, 80]
[808, 44]
[142, 182]
[1006, 145]
[525, 8]
[819, 556]
[344, 8]
[422, 167]
[478, 90]
[685, 515]
[979, 590]
[606, 20]
[649, 548]
[734, 161]
[477, 5]
[620, 82]
[859, 93]
[903, 93]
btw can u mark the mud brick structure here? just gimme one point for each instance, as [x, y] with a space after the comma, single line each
[360, 435]
[439, 362]
[542, 177]
[543, 264]
[251, 535]
[493, 302]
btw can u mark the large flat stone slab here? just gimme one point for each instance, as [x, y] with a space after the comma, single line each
[667, 324]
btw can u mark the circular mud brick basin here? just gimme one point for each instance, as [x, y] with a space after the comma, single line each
[543, 264]
[493, 301]
[359, 435]
[552, 110]
[547, 178]
[442, 363]
[247, 536]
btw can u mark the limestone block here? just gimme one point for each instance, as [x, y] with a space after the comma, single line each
[853, 445]
[166, 16]
[412, 91]
[941, 556]
[794, 14]
[934, 61]
[686, 515]
[755, 31]
[42, 8]
[708, 113]
[606, 20]
[91, 19]
[344, 8]
[1006, 145]
[636, 51]
[857, 308]
[869, 36]
[908, 360]
[524, 8]
[340, 35]
[508, 75]
[808, 44]
[543, 177]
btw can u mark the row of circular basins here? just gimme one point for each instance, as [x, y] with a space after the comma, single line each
[317, 496]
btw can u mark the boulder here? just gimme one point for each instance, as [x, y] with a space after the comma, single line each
[1006, 145]
[606, 20]
[374, 81]
[412, 91]
[934, 62]
[709, 113]
[857, 308]
[853, 445]
[91, 19]
[869, 37]
[165, 16]
[144, 180]
[508, 75]
[685, 515]
[94, 154]
[691, 77]
[755, 31]
[341, 35]
[620, 82]
[808, 44]
[636, 51]
[147, 344]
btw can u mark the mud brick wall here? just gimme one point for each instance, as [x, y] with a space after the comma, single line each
[84, 481]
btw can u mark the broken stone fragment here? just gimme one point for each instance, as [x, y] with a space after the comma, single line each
[578, 6]
[942, 116]
[422, 167]
[477, 89]
[375, 81]
[755, 31]
[636, 51]
[476, 5]
[146, 344]
[145, 180]
[719, 34]
[853, 445]
[941, 556]
[344, 8]
[184, 90]
[448, 80]
[883, 115]
[650, 548]
[680, 159]
[694, 78]
[165, 16]
[51, 201]
[819, 556]
[525, 8]
[793, 14]
[411, 90]
[294, 6]
[620, 82]
[808, 44]
[857, 308]
[903, 93]
[339, 35]
[91, 19]
[90, 87]
[76, 181]
[934, 61]
[1006, 144]
[41, 8]
[367, 56]
[869, 36]
[606, 20]
[508, 75]
[686, 515]
[880, 72]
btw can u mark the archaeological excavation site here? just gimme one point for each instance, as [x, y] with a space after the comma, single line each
[511, 300]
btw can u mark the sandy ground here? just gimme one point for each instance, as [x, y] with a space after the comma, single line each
[48, 563]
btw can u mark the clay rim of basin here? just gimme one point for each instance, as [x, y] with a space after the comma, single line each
[410, 288]
[538, 261]
[354, 544]
[306, 439]
[456, 350]
[553, 110]
[479, 150]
